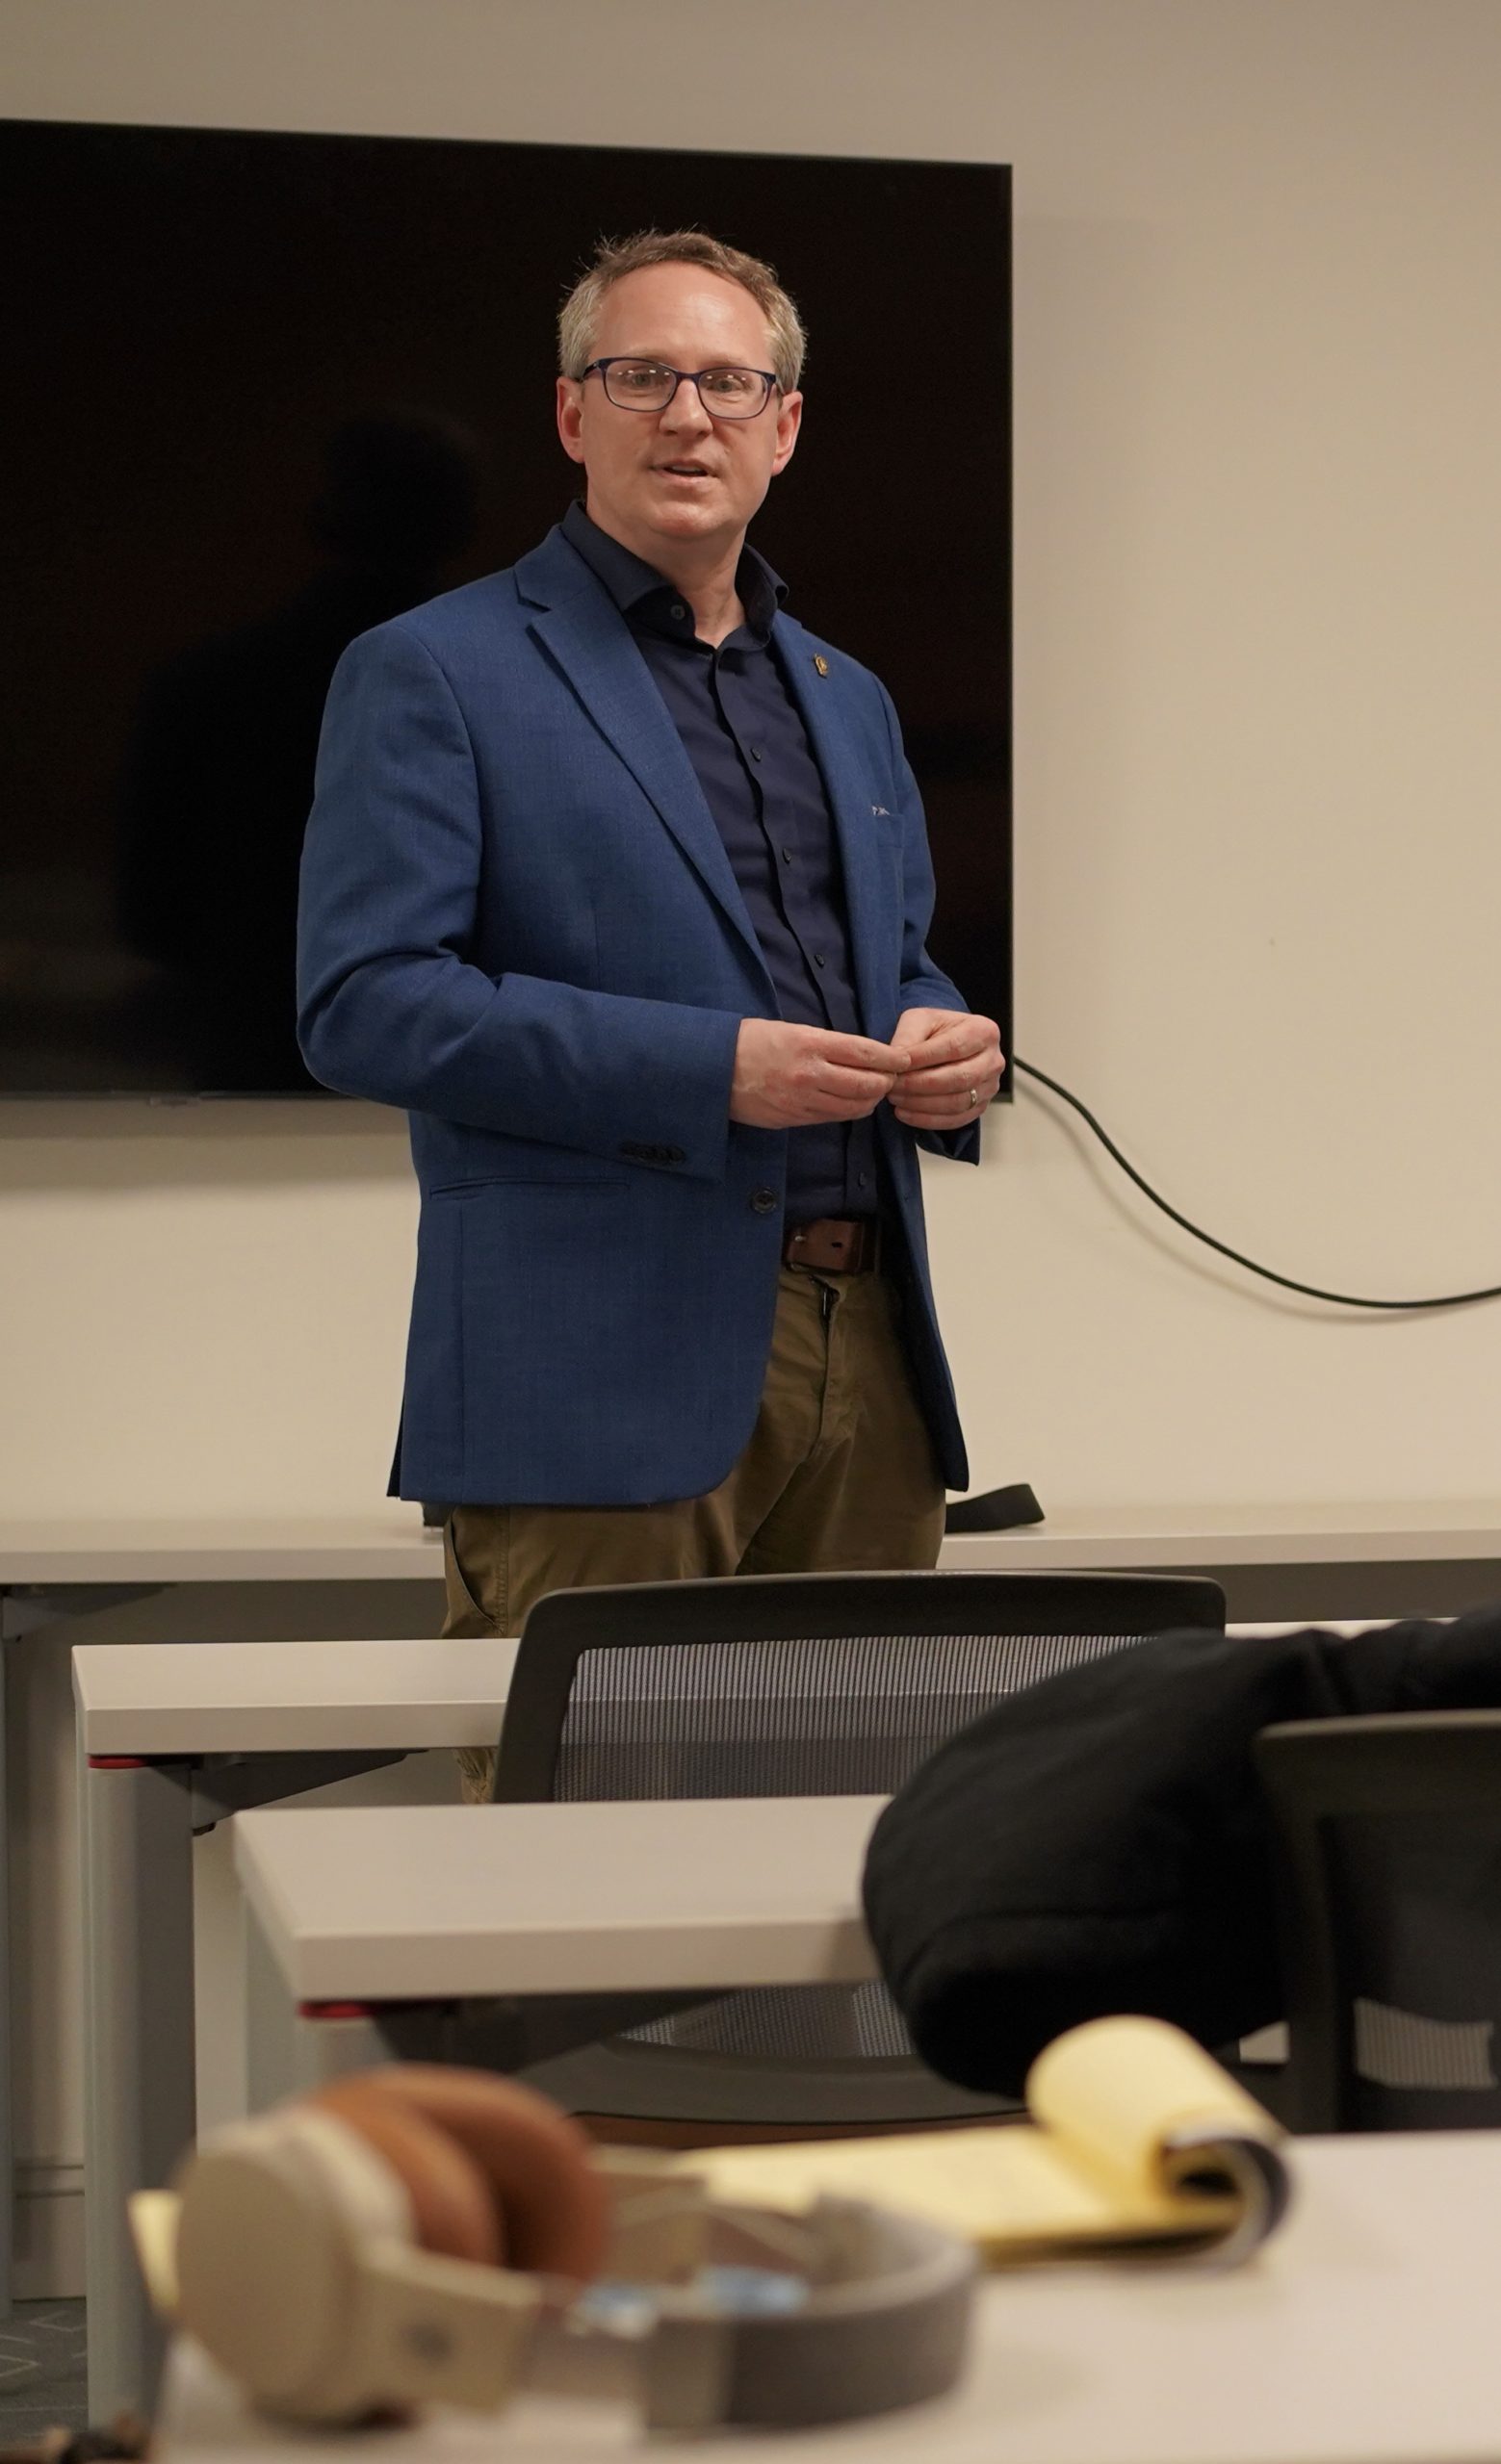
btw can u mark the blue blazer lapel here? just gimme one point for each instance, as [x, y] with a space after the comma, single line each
[579, 628]
[874, 923]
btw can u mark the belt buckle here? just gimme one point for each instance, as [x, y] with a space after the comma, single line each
[831, 1245]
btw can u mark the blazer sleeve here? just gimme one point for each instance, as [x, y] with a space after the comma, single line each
[923, 985]
[390, 1007]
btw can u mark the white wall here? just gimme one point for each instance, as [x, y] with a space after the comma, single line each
[1259, 595]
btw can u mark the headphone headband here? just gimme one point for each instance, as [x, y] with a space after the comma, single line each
[300, 2268]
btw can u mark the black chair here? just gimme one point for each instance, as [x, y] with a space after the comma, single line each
[788, 1685]
[1387, 1841]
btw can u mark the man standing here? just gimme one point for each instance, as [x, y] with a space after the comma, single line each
[617, 880]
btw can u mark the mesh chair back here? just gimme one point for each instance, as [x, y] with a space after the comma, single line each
[1389, 1836]
[820, 1715]
[806, 1686]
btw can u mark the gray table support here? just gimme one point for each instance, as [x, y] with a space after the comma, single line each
[24, 1608]
[139, 2096]
[138, 1823]
[292, 2049]
[7, 2107]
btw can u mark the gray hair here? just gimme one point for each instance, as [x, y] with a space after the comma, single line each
[615, 258]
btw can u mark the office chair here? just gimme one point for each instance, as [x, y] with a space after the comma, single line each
[1387, 1845]
[788, 1685]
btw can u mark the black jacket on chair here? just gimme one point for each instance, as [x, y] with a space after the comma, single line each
[1097, 1843]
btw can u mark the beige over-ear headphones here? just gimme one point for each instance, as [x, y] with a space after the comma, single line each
[415, 2234]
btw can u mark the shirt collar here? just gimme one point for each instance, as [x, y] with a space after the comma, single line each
[641, 593]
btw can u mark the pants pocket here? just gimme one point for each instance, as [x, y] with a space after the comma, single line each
[476, 1552]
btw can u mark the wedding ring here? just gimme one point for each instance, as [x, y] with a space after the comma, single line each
[975, 1099]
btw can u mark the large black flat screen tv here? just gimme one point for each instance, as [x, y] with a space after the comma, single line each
[264, 391]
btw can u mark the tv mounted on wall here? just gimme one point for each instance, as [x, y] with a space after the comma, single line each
[265, 390]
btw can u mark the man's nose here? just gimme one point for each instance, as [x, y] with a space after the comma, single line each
[686, 407]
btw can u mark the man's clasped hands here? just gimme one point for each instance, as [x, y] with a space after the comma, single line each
[939, 1072]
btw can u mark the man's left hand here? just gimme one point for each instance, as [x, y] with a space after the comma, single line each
[956, 1067]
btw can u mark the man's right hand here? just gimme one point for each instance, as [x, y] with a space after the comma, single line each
[787, 1077]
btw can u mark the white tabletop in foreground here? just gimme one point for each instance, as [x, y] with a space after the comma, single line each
[161, 1699]
[1364, 2334]
[417, 1902]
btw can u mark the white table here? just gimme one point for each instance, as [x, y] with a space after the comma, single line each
[430, 1903]
[360, 1921]
[87, 1552]
[165, 1701]
[1364, 2333]
[1379, 1560]
[155, 1724]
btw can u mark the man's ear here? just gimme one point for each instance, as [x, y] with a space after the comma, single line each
[570, 417]
[790, 421]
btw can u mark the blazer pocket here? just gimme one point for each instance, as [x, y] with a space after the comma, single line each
[529, 1181]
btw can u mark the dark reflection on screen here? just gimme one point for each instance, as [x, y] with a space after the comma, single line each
[219, 766]
[268, 391]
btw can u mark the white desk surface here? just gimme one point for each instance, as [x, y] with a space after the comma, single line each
[1166, 1537]
[392, 1903]
[1364, 2333]
[388, 1545]
[393, 1545]
[159, 1699]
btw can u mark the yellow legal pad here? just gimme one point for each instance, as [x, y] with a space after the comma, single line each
[1137, 2142]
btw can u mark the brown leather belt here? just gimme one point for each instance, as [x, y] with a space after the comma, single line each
[834, 1244]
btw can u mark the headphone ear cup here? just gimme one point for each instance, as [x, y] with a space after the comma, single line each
[551, 2201]
[453, 2211]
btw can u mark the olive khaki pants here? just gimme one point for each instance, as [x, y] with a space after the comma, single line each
[839, 1475]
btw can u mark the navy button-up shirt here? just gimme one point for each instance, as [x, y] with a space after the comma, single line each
[743, 733]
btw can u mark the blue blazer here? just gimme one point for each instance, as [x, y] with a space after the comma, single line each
[519, 922]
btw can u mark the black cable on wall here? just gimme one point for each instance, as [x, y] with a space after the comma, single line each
[1287, 1282]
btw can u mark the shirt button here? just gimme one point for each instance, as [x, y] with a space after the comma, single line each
[863, 1180]
[819, 960]
[756, 752]
[787, 855]
[763, 1201]
[679, 610]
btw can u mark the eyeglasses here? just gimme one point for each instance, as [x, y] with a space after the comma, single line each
[649, 385]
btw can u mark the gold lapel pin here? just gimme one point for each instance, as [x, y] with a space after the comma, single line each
[821, 664]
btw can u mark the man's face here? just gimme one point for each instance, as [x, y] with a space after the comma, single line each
[660, 478]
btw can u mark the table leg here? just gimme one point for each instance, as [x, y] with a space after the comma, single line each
[6, 2116]
[139, 2096]
[293, 2047]
[24, 1609]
